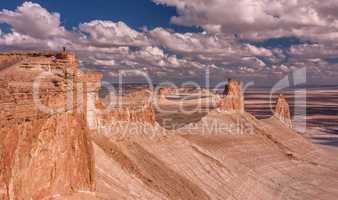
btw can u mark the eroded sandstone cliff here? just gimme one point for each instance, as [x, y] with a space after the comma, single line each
[43, 153]
[77, 152]
[133, 107]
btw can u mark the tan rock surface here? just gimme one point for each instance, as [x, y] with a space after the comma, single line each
[133, 107]
[41, 154]
[282, 111]
[233, 100]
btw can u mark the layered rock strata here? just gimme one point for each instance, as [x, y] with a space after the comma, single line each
[45, 148]
[134, 107]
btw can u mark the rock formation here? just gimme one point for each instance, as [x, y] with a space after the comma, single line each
[42, 152]
[134, 107]
[143, 113]
[233, 100]
[163, 92]
[91, 84]
[282, 111]
[54, 155]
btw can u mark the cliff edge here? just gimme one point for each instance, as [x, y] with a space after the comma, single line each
[43, 153]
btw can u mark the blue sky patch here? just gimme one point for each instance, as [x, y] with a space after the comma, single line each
[281, 42]
[5, 28]
[136, 14]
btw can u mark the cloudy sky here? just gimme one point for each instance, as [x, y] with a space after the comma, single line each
[260, 40]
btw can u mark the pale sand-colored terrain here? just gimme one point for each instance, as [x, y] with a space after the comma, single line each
[269, 162]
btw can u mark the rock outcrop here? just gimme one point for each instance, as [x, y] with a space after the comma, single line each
[134, 107]
[282, 111]
[233, 100]
[163, 92]
[143, 113]
[45, 151]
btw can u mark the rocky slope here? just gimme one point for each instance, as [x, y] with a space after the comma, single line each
[246, 159]
[225, 155]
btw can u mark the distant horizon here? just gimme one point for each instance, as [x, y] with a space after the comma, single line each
[179, 84]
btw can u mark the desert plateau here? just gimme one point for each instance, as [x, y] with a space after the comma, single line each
[220, 151]
[168, 100]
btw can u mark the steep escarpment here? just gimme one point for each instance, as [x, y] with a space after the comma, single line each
[45, 149]
[46, 157]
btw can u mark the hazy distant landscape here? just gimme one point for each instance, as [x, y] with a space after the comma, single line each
[321, 110]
